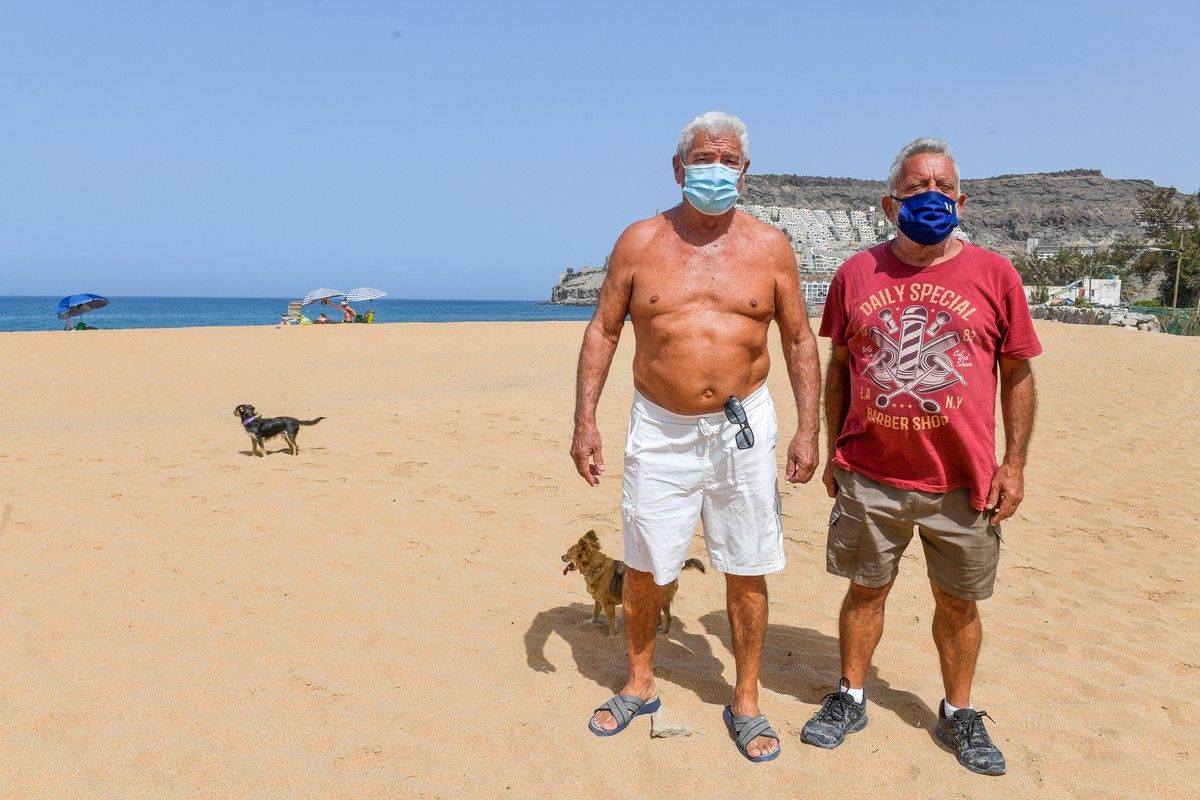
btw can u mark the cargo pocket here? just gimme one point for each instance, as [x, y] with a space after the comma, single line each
[631, 535]
[998, 539]
[841, 551]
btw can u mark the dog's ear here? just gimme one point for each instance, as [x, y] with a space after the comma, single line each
[591, 538]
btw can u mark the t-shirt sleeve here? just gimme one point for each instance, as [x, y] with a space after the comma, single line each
[833, 318]
[1020, 340]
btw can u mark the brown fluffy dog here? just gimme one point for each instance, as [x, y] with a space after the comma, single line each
[605, 578]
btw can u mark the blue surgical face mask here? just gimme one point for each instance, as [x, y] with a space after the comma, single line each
[927, 218]
[711, 188]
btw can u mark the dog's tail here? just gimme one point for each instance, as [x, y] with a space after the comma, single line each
[694, 563]
[310, 421]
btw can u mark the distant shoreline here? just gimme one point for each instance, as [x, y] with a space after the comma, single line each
[37, 313]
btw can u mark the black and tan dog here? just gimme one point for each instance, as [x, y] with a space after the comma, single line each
[259, 429]
[605, 578]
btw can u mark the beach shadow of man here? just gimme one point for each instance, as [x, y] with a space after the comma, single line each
[800, 662]
[684, 659]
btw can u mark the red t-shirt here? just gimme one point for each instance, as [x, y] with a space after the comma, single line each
[924, 347]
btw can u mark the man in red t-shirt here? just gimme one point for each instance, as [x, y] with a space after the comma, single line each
[920, 327]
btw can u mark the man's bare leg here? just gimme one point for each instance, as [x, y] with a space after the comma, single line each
[746, 602]
[958, 633]
[860, 627]
[642, 602]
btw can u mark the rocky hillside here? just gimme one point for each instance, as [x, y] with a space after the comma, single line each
[578, 287]
[1075, 207]
[1078, 207]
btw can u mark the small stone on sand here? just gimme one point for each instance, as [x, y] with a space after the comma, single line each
[660, 727]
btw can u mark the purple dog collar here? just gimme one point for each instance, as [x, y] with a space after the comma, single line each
[248, 421]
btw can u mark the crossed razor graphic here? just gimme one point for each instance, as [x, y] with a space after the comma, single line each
[915, 363]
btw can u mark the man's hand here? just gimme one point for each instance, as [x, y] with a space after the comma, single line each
[586, 452]
[831, 486]
[1006, 492]
[802, 458]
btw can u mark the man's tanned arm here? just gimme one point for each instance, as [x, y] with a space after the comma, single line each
[803, 366]
[837, 406]
[1018, 405]
[600, 340]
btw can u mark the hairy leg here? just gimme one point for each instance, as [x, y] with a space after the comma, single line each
[642, 601]
[860, 627]
[746, 603]
[958, 633]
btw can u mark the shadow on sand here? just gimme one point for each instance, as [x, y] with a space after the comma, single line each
[799, 662]
[805, 664]
[682, 658]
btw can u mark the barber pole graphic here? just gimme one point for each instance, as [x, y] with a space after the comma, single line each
[912, 334]
[915, 364]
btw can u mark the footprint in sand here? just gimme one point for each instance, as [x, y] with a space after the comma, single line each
[406, 468]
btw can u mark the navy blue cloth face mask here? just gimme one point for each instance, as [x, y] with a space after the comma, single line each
[927, 218]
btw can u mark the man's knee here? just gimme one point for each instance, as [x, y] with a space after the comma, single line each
[640, 585]
[867, 596]
[957, 607]
[745, 584]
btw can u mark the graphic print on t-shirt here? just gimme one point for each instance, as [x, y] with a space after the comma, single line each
[911, 352]
[924, 346]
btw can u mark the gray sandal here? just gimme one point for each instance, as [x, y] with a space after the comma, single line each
[744, 730]
[623, 707]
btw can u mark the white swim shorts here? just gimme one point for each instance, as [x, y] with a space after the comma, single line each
[680, 469]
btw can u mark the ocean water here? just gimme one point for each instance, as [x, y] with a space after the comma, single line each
[37, 313]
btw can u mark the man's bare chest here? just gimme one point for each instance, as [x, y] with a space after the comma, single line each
[703, 282]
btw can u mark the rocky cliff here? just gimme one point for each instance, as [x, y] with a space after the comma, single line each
[1078, 207]
[578, 287]
[1075, 207]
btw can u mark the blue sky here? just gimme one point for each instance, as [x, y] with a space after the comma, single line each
[473, 150]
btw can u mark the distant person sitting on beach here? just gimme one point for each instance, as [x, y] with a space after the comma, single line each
[322, 319]
[921, 326]
[702, 283]
[347, 312]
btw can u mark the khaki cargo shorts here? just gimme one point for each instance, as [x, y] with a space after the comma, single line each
[872, 523]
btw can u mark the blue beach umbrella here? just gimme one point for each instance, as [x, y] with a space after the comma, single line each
[76, 304]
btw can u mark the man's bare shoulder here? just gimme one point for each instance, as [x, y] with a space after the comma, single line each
[637, 238]
[769, 241]
[643, 232]
[768, 236]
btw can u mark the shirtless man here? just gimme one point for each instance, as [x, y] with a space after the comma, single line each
[702, 283]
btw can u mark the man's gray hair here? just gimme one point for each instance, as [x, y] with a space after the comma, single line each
[926, 144]
[714, 122]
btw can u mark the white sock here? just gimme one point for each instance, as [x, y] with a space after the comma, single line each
[951, 709]
[858, 694]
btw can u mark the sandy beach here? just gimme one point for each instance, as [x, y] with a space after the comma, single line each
[384, 615]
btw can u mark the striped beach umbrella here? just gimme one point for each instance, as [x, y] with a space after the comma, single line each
[321, 294]
[364, 294]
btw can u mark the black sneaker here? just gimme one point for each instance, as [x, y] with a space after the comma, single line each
[838, 715]
[963, 732]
